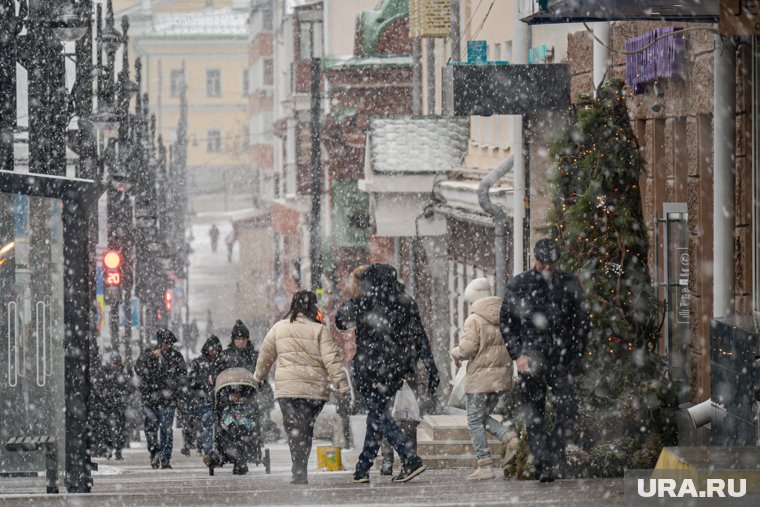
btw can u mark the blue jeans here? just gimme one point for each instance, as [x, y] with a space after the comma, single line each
[380, 424]
[158, 430]
[479, 420]
[205, 414]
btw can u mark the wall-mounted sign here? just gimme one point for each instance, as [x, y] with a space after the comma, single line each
[740, 17]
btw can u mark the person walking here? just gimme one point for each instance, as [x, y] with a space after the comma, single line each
[163, 377]
[202, 388]
[111, 400]
[239, 353]
[388, 337]
[213, 234]
[544, 322]
[489, 375]
[308, 361]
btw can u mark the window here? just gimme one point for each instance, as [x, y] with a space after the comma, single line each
[508, 51]
[213, 141]
[213, 83]
[176, 78]
[246, 82]
[496, 52]
[246, 141]
[308, 32]
[267, 19]
[269, 72]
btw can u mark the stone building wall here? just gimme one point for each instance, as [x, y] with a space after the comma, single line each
[673, 124]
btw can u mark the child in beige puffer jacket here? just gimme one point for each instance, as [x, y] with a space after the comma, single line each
[489, 373]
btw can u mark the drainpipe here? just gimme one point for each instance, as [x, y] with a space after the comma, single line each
[601, 52]
[520, 48]
[724, 184]
[500, 220]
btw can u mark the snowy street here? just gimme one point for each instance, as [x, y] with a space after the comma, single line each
[131, 483]
[212, 278]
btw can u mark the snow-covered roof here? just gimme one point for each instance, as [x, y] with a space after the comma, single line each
[417, 145]
[220, 22]
[341, 61]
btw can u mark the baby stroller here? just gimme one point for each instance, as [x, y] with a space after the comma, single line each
[237, 428]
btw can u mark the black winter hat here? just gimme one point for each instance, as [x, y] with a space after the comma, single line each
[546, 251]
[239, 330]
[163, 335]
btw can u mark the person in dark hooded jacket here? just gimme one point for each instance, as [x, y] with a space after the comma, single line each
[163, 382]
[389, 337]
[201, 378]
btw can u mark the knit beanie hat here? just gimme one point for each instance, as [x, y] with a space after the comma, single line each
[239, 330]
[477, 289]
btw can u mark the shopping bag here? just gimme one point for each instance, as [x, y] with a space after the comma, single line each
[457, 398]
[405, 407]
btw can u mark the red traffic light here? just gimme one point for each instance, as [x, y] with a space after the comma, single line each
[168, 296]
[112, 263]
[112, 259]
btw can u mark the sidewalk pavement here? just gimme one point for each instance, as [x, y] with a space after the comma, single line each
[132, 483]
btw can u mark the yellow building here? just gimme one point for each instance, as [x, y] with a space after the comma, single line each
[210, 39]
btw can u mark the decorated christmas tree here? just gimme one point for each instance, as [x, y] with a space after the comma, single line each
[626, 401]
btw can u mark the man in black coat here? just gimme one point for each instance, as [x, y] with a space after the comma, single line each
[163, 383]
[201, 383]
[545, 322]
[389, 339]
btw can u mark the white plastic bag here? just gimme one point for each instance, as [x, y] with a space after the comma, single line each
[405, 407]
[457, 398]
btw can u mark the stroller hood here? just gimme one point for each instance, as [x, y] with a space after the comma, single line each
[234, 376]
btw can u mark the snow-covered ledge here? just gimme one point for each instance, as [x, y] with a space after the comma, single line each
[404, 158]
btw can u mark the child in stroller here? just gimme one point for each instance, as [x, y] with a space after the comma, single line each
[238, 436]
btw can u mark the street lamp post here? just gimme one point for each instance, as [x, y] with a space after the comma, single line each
[315, 222]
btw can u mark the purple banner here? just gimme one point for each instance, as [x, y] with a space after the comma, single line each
[663, 59]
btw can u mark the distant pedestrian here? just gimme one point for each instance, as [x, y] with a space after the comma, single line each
[229, 240]
[489, 375]
[202, 387]
[308, 361]
[213, 234]
[545, 322]
[163, 377]
[111, 396]
[388, 334]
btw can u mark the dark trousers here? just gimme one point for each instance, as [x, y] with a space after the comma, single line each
[380, 424]
[410, 430]
[548, 447]
[158, 430]
[298, 417]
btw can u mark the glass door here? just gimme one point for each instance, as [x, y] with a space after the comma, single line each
[31, 328]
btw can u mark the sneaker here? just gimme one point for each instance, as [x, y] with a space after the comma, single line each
[118, 456]
[165, 463]
[386, 469]
[361, 478]
[299, 481]
[155, 462]
[511, 444]
[546, 476]
[410, 471]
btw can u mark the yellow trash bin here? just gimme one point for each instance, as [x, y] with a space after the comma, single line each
[328, 459]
